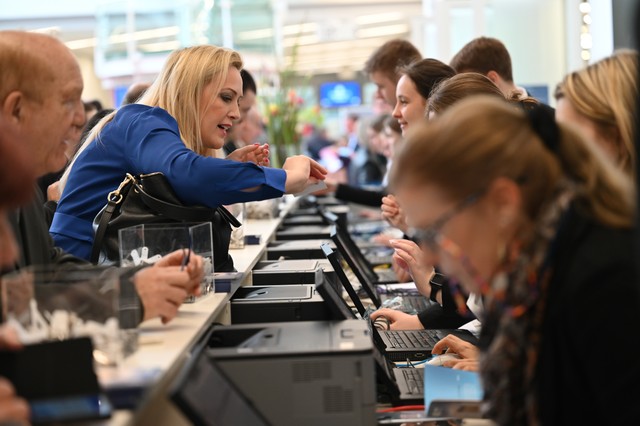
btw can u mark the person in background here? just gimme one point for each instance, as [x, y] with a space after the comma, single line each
[600, 100]
[134, 92]
[17, 178]
[368, 165]
[414, 86]
[252, 127]
[489, 57]
[458, 87]
[408, 257]
[92, 107]
[532, 217]
[173, 129]
[382, 65]
[247, 102]
[40, 117]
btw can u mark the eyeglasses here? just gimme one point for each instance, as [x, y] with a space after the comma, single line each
[430, 235]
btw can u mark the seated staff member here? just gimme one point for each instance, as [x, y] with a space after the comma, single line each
[444, 95]
[407, 253]
[601, 101]
[416, 80]
[535, 219]
[174, 129]
[39, 121]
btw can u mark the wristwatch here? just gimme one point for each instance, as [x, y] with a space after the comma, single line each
[436, 283]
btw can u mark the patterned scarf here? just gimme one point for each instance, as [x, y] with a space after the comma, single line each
[512, 326]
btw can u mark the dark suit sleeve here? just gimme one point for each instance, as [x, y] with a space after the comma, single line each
[357, 195]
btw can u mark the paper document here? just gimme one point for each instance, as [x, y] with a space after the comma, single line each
[313, 188]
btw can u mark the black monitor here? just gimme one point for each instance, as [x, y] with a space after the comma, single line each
[335, 262]
[356, 262]
[339, 308]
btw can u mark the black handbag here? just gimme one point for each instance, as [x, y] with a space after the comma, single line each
[148, 199]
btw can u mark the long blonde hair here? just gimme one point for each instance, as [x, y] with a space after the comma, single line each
[178, 89]
[605, 92]
[482, 138]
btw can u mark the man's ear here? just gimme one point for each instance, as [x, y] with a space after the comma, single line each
[12, 108]
[493, 76]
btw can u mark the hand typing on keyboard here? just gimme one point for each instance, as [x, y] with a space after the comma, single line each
[398, 320]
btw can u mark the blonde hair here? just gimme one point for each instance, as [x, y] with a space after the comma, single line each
[482, 138]
[178, 89]
[605, 92]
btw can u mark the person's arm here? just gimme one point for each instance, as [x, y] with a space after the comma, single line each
[397, 320]
[200, 180]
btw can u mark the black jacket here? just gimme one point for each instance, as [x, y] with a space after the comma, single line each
[36, 246]
[586, 371]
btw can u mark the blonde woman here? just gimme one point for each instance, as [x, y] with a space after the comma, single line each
[532, 217]
[601, 100]
[175, 126]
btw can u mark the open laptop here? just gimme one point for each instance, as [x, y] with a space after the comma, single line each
[341, 264]
[404, 386]
[358, 261]
[368, 254]
[399, 345]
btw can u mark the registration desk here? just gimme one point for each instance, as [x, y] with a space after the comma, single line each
[163, 349]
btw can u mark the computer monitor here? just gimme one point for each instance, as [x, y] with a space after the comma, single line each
[337, 265]
[356, 262]
[340, 94]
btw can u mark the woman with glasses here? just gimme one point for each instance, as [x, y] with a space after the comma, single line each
[535, 219]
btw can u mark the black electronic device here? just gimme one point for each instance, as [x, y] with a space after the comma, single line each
[296, 249]
[302, 232]
[376, 291]
[257, 304]
[58, 380]
[291, 271]
[310, 373]
[399, 345]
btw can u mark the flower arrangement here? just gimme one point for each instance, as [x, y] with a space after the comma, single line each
[282, 123]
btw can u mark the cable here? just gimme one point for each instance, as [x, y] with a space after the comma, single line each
[403, 408]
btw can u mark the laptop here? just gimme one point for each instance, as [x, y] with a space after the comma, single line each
[404, 386]
[341, 264]
[368, 254]
[358, 261]
[399, 345]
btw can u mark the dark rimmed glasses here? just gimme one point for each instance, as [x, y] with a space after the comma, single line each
[430, 234]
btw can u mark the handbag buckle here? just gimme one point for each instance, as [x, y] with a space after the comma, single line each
[116, 196]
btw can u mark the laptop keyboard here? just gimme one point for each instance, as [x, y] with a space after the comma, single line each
[415, 380]
[412, 338]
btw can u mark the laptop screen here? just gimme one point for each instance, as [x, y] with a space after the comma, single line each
[337, 305]
[356, 267]
[338, 267]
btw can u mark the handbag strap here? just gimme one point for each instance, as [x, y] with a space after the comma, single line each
[174, 211]
[114, 200]
[226, 214]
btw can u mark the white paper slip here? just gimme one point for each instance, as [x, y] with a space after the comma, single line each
[313, 188]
